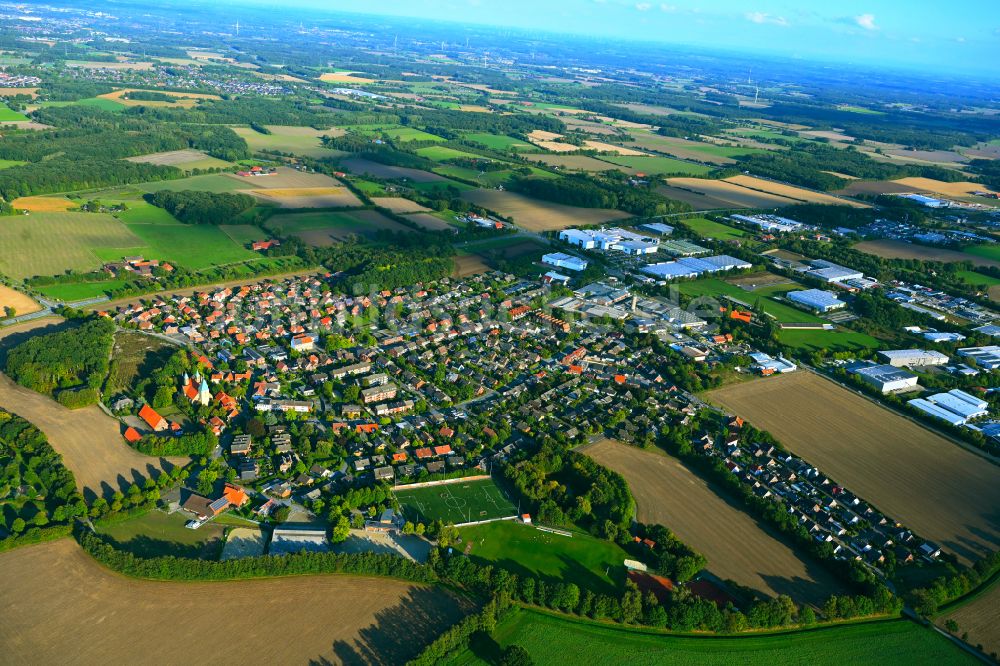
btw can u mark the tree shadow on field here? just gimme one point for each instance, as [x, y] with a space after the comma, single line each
[812, 590]
[402, 631]
[146, 546]
[14, 339]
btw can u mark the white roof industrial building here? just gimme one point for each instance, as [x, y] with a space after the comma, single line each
[769, 222]
[987, 357]
[828, 271]
[956, 407]
[658, 227]
[614, 238]
[562, 260]
[693, 267]
[816, 299]
[886, 378]
[901, 358]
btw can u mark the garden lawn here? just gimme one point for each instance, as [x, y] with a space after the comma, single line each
[587, 561]
[549, 639]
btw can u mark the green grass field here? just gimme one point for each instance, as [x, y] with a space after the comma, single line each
[831, 341]
[155, 533]
[304, 141]
[782, 312]
[80, 290]
[209, 183]
[550, 639]
[589, 562]
[860, 109]
[655, 165]
[52, 243]
[368, 187]
[442, 153]
[285, 223]
[991, 251]
[8, 115]
[709, 229]
[192, 246]
[498, 141]
[972, 277]
[243, 234]
[460, 502]
[6, 164]
[404, 134]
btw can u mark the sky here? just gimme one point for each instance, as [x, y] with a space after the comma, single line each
[962, 35]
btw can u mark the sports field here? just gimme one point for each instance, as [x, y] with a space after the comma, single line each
[550, 638]
[837, 340]
[60, 607]
[589, 562]
[782, 312]
[934, 487]
[460, 502]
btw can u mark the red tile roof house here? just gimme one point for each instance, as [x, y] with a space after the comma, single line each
[152, 419]
[132, 435]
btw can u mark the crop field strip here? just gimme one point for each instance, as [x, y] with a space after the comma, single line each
[934, 487]
[893, 249]
[980, 618]
[535, 215]
[737, 547]
[58, 585]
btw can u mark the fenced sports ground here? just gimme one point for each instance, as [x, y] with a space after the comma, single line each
[459, 502]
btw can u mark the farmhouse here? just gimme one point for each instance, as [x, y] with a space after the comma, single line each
[562, 260]
[912, 358]
[816, 299]
[887, 378]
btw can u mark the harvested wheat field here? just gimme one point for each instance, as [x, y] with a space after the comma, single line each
[792, 192]
[180, 99]
[535, 215]
[981, 618]
[61, 607]
[684, 149]
[14, 92]
[89, 441]
[737, 547]
[611, 148]
[21, 303]
[344, 77]
[469, 264]
[43, 204]
[731, 193]
[399, 205]
[934, 487]
[941, 187]
[893, 249]
[697, 200]
[943, 157]
[182, 159]
[308, 197]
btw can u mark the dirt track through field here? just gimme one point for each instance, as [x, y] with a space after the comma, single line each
[61, 607]
[737, 547]
[933, 486]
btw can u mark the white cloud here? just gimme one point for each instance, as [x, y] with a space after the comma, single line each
[866, 21]
[762, 18]
[668, 8]
[643, 6]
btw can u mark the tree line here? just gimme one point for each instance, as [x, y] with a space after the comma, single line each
[202, 207]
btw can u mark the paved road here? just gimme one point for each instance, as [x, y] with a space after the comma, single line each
[48, 309]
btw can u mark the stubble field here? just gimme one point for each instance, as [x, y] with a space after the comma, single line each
[934, 487]
[737, 547]
[892, 249]
[60, 606]
[22, 303]
[981, 618]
